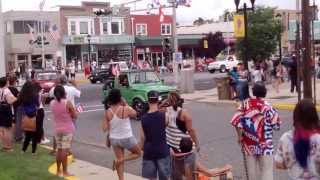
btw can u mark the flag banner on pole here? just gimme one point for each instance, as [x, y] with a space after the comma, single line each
[79, 108]
[238, 22]
[31, 33]
[54, 33]
[161, 14]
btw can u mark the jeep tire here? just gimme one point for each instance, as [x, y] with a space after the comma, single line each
[223, 68]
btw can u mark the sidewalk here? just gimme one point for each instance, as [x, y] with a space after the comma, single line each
[87, 171]
[283, 100]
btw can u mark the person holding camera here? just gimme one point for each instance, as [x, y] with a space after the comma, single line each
[179, 126]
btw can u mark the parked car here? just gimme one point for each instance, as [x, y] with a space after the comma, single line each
[223, 64]
[99, 75]
[134, 86]
[46, 79]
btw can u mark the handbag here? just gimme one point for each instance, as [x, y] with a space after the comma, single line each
[6, 115]
[29, 123]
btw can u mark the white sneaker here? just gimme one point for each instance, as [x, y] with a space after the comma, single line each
[45, 141]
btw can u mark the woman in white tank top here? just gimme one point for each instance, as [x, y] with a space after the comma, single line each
[117, 122]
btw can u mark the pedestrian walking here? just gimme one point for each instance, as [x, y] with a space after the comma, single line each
[257, 75]
[117, 123]
[29, 99]
[64, 115]
[293, 73]
[67, 71]
[156, 153]
[243, 85]
[255, 121]
[73, 71]
[299, 149]
[6, 117]
[278, 76]
[234, 79]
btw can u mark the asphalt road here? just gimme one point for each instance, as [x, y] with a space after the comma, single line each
[217, 137]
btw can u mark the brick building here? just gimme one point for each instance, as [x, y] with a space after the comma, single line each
[109, 36]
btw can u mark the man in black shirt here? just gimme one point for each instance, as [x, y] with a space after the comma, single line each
[156, 155]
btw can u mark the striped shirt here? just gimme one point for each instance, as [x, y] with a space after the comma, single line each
[173, 133]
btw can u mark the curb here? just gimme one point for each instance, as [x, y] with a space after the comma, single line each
[289, 107]
[82, 81]
[52, 169]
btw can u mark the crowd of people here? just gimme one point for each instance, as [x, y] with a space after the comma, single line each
[168, 142]
[22, 116]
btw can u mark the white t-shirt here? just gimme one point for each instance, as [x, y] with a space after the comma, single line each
[257, 76]
[72, 70]
[285, 154]
[71, 92]
[6, 95]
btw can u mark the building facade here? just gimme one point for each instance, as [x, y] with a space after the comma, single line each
[22, 32]
[105, 37]
[149, 36]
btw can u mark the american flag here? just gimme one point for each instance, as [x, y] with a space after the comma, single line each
[115, 70]
[161, 14]
[31, 33]
[79, 108]
[54, 33]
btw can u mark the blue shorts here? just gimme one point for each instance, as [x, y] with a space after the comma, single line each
[126, 143]
[152, 168]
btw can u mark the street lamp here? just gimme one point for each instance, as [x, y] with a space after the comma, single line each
[244, 10]
[89, 48]
[280, 19]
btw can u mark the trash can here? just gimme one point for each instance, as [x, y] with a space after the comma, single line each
[224, 88]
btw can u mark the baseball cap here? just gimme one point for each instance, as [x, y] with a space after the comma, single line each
[154, 95]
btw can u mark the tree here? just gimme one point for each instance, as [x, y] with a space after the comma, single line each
[263, 33]
[199, 21]
[216, 44]
[227, 16]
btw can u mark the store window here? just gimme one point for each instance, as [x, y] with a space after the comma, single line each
[165, 29]
[141, 29]
[73, 28]
[105, 28]
[84, 28]
[115, 28]
[22, 57]
[23, 27]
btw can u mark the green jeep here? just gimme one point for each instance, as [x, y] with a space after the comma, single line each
[134, 86]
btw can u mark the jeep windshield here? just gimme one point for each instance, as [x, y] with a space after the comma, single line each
[144, 77]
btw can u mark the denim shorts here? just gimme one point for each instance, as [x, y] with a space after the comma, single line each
[152, 168]
[126, 143]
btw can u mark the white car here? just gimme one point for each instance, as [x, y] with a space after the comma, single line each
[223, 65]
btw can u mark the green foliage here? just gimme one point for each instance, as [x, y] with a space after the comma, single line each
[263, 34]
[17, 166]
[216, 44]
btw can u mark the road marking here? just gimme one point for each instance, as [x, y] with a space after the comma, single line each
[91, 110]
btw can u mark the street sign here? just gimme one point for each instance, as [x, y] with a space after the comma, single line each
[238, 22]
[178, 56]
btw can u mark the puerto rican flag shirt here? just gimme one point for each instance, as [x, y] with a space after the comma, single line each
[257, 119]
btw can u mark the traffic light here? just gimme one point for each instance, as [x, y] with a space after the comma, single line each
[103, 12]
[166, 44]
[205, 44]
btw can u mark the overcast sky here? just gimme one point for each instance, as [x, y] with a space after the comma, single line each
[199, 8]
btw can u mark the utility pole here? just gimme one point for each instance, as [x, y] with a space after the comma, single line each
[2, 53]
[306, 47]
[298, 55]
[42, 34]
[175, 41]
[314, 54]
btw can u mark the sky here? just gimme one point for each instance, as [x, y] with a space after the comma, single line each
[206, 9]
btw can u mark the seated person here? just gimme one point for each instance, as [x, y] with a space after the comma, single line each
[192, 166]
[124, 80]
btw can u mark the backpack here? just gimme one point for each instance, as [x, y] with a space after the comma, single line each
[30, 109]
[5, 112]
